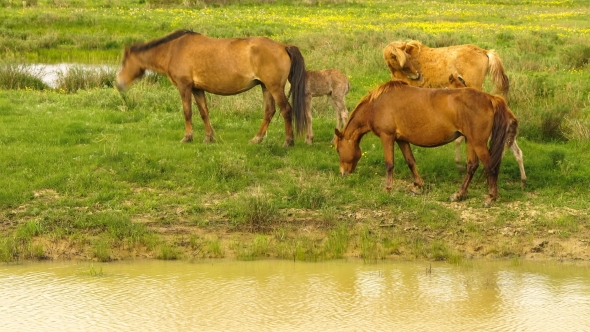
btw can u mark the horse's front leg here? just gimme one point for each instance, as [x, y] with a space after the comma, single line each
[387, 142]
[411, 162]
[201, 102]
[269, 112]
[185, 96]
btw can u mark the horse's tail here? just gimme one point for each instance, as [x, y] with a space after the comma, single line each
[497, 74]
[504, 131]
[297, 78]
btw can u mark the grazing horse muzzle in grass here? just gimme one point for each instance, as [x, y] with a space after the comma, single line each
[196, 64]
[402, 114]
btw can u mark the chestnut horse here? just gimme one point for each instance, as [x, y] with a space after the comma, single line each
[196, 64]
[456, 81]
[397, 112]
[327, 82]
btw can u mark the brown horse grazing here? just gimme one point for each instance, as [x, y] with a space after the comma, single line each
[397, 112]
[327, 82]
[425, 67]
[196, 64]
[456, 81]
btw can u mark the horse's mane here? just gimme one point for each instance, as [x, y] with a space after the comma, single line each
[371, 96]
[385, 87]
[156, 42]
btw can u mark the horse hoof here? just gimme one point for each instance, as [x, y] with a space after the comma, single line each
[186, 139]
[288, 143]
[255, 140]
[522, 183]
[455, 197]
[415, 190]
[208, 140]
[489, 201]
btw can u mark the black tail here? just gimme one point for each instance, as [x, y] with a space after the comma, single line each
[297, 78]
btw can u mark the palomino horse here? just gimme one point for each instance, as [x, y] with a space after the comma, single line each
[425, 67]
[196, 64]
[456, 81]
[408, 115]
[327, 82]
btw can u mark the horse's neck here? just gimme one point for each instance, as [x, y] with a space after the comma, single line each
[156, 59]
[357, 127]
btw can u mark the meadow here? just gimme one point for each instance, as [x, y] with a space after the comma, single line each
[89, 173]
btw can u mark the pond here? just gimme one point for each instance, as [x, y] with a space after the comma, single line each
[227, 295]
[50, 73]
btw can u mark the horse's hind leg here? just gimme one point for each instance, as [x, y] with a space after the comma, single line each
[309, 135]
[269, 112]
[458, 142]
[411, 161]
[201, 102]
[518, 156]
[337, 101]
[472, 165]
[278, 93]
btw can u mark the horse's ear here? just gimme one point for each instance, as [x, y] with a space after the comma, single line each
[411, 47]
[399, 56]
[126, 52]
[338, 133]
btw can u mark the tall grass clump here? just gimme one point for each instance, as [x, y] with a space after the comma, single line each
[82, 78]
[256, 214]
[336, 243]
[20, 76]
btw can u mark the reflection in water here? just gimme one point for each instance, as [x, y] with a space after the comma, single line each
[283, 295]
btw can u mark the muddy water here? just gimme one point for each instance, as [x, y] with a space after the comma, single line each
[283, 295]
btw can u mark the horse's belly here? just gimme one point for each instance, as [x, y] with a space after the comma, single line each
[224, 86]
[426, 139]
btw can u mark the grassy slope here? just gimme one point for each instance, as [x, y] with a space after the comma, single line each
[98, 175]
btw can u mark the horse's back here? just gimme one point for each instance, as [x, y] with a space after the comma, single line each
[326, 81]
[470, 61]
[228, 66]
[431, 117]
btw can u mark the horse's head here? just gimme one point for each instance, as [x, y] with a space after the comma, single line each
[399, 60]
[130, 70]
[349, 151]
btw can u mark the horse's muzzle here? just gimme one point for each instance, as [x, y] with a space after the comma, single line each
[120, 85]
[416, 77]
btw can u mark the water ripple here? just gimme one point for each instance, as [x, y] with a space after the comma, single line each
[277, 295]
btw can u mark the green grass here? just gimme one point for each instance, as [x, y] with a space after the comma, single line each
[86, 164]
